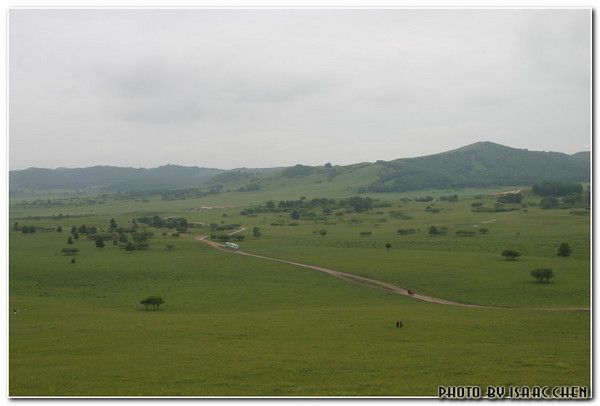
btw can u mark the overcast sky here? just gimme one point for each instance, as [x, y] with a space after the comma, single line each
[262, 88]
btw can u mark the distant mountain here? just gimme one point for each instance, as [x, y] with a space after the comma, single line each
[479, 165]
[482, 164]
[111, 178]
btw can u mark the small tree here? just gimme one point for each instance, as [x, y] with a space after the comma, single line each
[295, 215]
[146, 303]
[510, 255]
[59, 229]
[70, 251]
[388, 246]
[564, 250]
[16, 226]
[153, 301]
[256, 232]
[113, 224]
[99, 243]
[70, 240]
[542, 275]
[76, 236]
[73, 260]
[130, 246]
[73, 230]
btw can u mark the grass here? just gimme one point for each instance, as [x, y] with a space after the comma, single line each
[235, 325]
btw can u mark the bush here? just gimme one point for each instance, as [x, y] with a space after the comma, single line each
[557, 188]
[406, 231]
[399, 215]
[434, 230]
[549, 203]
[70, 251]
[451, 198]
[564, 250]
[465, 233]
[510, 198]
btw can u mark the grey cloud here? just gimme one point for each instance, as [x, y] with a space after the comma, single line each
[231, 88]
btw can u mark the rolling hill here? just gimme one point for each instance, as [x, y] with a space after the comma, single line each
[482, 164]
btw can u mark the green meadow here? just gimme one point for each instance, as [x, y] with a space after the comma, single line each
[240, 326]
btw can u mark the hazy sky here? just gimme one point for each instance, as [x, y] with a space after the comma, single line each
[261, 88]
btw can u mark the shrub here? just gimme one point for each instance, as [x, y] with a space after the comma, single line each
[564, 250]
[406, 231]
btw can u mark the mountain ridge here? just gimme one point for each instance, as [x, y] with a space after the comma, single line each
[478, 164]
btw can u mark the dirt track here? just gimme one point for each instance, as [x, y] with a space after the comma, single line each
[373, 283]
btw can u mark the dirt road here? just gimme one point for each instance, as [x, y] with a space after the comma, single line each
[239, 230]
[373, 283]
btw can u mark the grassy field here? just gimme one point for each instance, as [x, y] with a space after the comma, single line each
[234, 325]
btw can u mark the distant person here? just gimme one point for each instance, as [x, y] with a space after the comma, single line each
[398, 324]
[410, 292]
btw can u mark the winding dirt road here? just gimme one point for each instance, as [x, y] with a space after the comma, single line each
[373, 283]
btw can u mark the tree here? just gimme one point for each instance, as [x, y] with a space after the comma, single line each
[99, 243]
[130, 246]
[146, 303]
[70, 240]
[123, 238]
[73, 230]
[16, 226]
[170, 247]
[73, 260]
[76, 236]
[83, 229]
[542, 275]
[510, 255]
[153, 301]
[113, 224]
[59, 229]
[256, 232]
[295, 215]
[70, 251]
[564, 250]
[388, 246]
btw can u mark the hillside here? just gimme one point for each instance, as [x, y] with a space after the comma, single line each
[482, 164]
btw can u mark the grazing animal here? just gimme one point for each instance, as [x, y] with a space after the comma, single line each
[410, 292]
